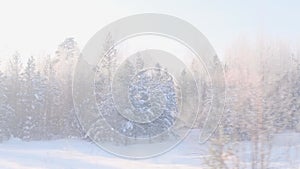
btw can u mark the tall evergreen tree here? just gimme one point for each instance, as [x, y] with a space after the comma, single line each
[5, 110]
[32, 102]
[14, 93]
[53, 100]
[67, 54]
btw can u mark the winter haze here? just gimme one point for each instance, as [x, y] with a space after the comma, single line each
[150, 99]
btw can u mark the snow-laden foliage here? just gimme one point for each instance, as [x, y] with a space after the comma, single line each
[35, 100]
[151, 94]
[5, 110]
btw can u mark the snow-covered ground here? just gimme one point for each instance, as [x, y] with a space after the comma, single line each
[78, 154]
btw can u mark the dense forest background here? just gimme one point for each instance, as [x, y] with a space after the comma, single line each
[262, 93]
[36, 100]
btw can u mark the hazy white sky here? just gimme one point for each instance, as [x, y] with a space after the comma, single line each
[35, 27]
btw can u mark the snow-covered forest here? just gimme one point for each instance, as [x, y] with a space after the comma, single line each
[262, 100]
[36, 99]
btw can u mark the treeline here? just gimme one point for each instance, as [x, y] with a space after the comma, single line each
[262, 94]
[35, 99]
[262, 99]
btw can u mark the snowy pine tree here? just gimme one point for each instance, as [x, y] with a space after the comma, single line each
[52, 102]
[66, 56]
[32, 102]
[5, 110]
[152, 94]
[14, 93]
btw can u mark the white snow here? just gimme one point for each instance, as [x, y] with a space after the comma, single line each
[78, 154]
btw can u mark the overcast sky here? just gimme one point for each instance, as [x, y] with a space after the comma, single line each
[35, 27]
